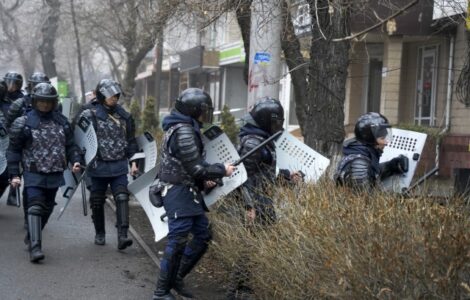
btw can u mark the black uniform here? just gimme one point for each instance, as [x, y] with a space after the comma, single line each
[359, 168]
[115, 132]
[265, 119]
[42, 143]
[183, 171]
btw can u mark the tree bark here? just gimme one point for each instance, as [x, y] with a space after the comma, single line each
[49, 34]
[243, 11]
[296, 63]
[79, 53]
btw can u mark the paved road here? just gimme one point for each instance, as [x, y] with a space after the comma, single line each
[74, 267]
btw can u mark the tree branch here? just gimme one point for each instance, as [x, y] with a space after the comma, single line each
[399, 12]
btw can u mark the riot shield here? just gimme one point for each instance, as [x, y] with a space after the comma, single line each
[148, 145]
[140, 189]
[293, 155]
[85, 138]
[66, 107]
[219, 149]
[148, 157]
[410, 144]
[4, 141]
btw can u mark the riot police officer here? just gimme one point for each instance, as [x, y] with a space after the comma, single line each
[3, 135]
[41, 142]
[115, 132]
[14, 82]
[185, 174]
[360, 168]
[19, 106]
[265, 118]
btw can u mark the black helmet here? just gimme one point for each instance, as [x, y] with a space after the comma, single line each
[35, 78]
[371, 126]
[45, 92]
[107, 88]
[14, 78]
[194, 102]
[268, 114]
[3, 89]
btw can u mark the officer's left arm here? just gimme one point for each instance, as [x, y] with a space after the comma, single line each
[18, 139]
[73, 152]
[132, 147]
[187, 151]
[397, 165]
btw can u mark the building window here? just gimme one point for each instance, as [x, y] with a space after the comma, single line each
[425, 104]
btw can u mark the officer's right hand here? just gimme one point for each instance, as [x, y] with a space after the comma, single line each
[15, 182]
[229, 169]
[400, 164]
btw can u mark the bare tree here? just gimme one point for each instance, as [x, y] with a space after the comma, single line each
[49, 36]
[132, 26]
[16, 41]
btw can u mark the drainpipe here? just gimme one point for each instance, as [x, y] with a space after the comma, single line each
[448, 96]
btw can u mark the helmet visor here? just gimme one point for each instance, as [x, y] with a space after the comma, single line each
[207, 114]
[382, 131]
[12, 84]
[110, 90]
[276, 123]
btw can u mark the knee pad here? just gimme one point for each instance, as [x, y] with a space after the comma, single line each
[121, 197]
[37, 201]
[36, 210]
[121, 189]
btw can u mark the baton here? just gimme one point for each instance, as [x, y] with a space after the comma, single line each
[421, 180]
[85, 211]
[67, 200]
[249, 153]
[18, 200]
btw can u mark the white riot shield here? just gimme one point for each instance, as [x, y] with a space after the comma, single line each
[219, 149]
[85, 139]
[293, 155]
[148, 156]
[148, 145]
[410, 144]
[140, 189]
[4, 141]
[66, 107]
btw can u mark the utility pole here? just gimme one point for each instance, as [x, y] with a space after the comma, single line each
[265, 50]
[158, 73]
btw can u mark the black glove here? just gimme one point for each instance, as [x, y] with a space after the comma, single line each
[399, 164]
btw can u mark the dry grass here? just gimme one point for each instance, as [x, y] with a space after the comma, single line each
[329, 243]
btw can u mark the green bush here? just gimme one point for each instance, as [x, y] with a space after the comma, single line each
[329, 243]
[136, 113]
[228, 125]
[150, 121]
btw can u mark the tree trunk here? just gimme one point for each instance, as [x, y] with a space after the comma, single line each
[158, 73]
[79, 53]
[323, 113]
[296, 63]
[49, 34]
[243, 11]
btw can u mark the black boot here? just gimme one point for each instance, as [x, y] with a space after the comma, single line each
[197, 250]
[97, 215]
[122, 216]
[163, 287]
[168, 269]
[34, 224]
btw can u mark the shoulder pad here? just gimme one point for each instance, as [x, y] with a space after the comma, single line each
[19, 123]
[60, 118]
[122, 112]
[360, 169]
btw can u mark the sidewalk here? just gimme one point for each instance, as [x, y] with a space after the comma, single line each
[74, 267]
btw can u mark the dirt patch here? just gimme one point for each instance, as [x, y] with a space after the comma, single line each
[207, 280]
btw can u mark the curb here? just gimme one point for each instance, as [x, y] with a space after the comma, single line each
[138, 238]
